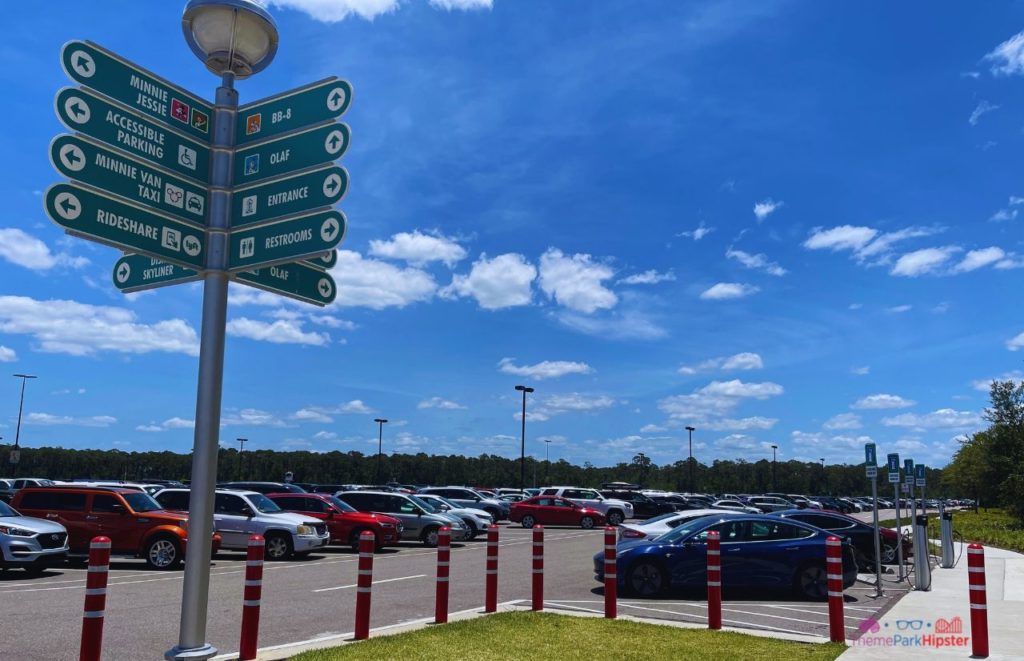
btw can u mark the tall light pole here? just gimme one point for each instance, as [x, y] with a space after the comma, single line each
[824, 475]
[234, 39]
[241, 448]
[547, 460]
[522, 449]
[380, 448]
[17, 433]
[774, 448]
[690, 462]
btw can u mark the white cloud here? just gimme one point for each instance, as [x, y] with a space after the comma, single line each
[419, 249]
[502, 282]
[1008, 57]
[844, 237]
[728, 290]
[741, 424]
[355, 406]
[765, 208]
[547, 369]
[976, 259]
[251, 417]
[860, 371]
[63, 326]
[576, 282]
[23, 249]
[715, 400]
[377, 285]
[982, 108]
[333, 11]
[699, 233]
[739, 361]
[178, 423]
[900, 308]
[983, 385]
[1010, 263]
[758, 262]
[1003, 215]
[547, 407]
[843, 421]
[7, 355]
[311, 415]
[149, 428]
[650, 277]
[940, 419]
[855, 306]
[652, 429]
[618, 325]
[47, 419]
[882, 401]
[278, 332]
[1015, 343]
[439, 403]
[737, 388]
[922, 262]
[462, 4]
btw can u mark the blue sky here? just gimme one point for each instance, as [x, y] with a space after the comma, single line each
[780, 222]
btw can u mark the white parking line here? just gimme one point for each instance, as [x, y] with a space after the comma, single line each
[386, 580]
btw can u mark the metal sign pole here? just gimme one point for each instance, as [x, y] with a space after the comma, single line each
[195, 591]
[899, 534]
[878, 551]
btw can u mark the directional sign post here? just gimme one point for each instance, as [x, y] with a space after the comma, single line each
[287, 241]
[89, 64]
[137, 273]
[894, 468]
[118, 173]
[908, 470]
[291, 153]
[296, 281]
[325, 261]
[919, 475]
[870, 460]
[298, 108]
[871, 467]
[105, 219]
[299, 193]
[86, 112]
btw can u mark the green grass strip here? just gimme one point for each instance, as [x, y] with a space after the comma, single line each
[992, 528]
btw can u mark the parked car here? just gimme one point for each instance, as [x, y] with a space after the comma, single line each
[466, 497]
[757, 551]
[835, 504]
[770, 503]
[29, 543]
[137, 525]
[615, 510]
[860, 534]
[657, 526]
[475, 519]
[344, 523]
[735, 505]
[237, 515]
[852, 504]
[554, 511]
[6, 490]
[24, 482]
[263, 487]
[674, 500]
[420, 521]
[643, 506]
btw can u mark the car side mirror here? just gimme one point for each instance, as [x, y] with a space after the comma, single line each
[247, 511]
[118, 508]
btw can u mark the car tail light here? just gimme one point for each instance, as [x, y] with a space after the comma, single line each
[633, 534]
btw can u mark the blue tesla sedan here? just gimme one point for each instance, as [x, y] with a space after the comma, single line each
[758, 551]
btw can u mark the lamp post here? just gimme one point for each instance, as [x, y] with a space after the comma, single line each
[522, 449]
[690, 462]
[241, 448]
[824, 475]
[15, 453]
[547, 460]
[380, 448]
[234, 39]
[774, 448]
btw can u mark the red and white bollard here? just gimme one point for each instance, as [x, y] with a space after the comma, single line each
[491, 582]
[95, 599]
[979, 600]
[251, 599]
[444, 555]
[364, 582]
[714, 580]
[834, 576]
[611, 577]
[538, 568]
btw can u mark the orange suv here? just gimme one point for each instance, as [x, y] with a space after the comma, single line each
[135, 523]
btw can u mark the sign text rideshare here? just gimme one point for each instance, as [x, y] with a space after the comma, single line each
[298, 108]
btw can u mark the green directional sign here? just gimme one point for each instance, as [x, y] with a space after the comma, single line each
[107, 220]
[294, 281]
[299, 193]
[86, 112]
[325, 261]
[286, 241]
[291, 153]
[295, 109]
[115, 172]
[136, 273]
[145, 93]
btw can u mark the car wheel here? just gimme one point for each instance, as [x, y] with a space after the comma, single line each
[529, 521]
[587, 522]
[889, 554]
[353, 541]
[646, 579]
[615, 518]
[430, 536]
[495, 513]
[811, 581]
[279, 547]
[473, 532]
[162, 552]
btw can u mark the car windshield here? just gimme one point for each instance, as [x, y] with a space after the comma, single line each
[661, 517]
[435, 500]
[141, 502]
[342, 505]
[685, 530]
[5, 510]
[427, 507]
[264, 504]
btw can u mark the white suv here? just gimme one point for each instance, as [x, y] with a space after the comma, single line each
[239, 514]
[614, 510]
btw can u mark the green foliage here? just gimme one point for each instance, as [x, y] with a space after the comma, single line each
[995, 527]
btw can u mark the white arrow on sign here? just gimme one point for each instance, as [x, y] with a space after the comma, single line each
[83, 64]
[336, 99]
[334, 141]
[72, 157]
[77, 109]
[123, 273]
[329, 230]
[325, 288]
[332, 184]
[67, 206]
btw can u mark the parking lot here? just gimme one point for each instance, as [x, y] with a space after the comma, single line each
[315, 597]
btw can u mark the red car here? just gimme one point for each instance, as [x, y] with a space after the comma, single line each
[554, 511]
[343, 522]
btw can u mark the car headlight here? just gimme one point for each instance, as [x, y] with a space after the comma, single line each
[306, 530]
[15, 532]
[387, 525]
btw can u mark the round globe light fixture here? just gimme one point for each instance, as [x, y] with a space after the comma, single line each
[230, 36]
